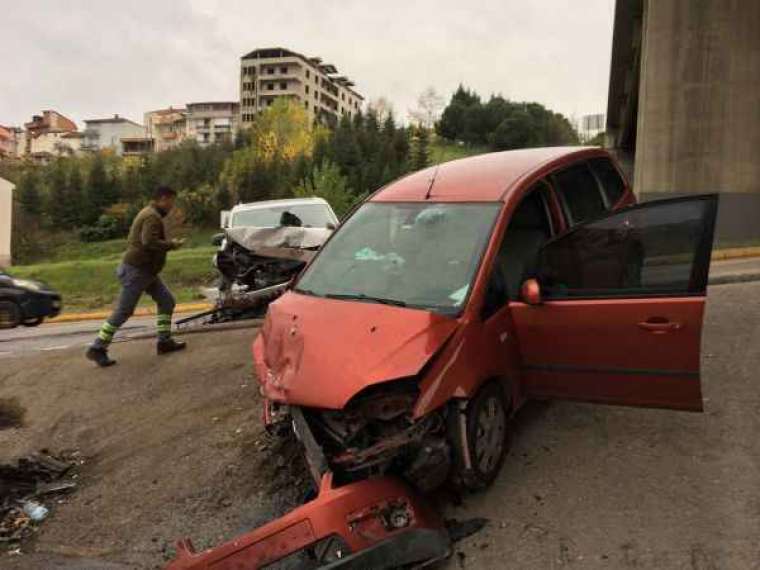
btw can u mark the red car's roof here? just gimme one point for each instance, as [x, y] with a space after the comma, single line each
[483, 178]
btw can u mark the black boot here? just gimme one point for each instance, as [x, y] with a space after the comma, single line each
[99, 356]
[169, 345]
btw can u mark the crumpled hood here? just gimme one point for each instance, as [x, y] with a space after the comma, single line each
[321, 352]
[283, 236]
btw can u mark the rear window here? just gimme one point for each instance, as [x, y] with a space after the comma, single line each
[580, 194]
[609, 177]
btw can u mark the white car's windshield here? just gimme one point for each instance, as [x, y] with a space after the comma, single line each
[420, 255]
[310, 215]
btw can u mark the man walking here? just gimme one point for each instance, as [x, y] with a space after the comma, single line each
[138, 273]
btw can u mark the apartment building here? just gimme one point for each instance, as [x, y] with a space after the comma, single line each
[46, 146]
[270, 73]
[50, 134]
[167, 127]
[109, 133]
[7, 142]
[212, 122]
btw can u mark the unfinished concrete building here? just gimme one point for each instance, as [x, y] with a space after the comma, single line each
[271, 73]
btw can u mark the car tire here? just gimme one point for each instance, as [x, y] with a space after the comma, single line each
[487, 437]
[10, 315]
[33, 322]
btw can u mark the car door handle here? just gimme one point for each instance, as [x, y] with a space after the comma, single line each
[659, 325]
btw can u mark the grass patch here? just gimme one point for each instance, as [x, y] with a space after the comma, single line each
[444, 151]
[69, 248]
[89, 284]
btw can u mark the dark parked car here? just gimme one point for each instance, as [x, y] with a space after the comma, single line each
[26, 302]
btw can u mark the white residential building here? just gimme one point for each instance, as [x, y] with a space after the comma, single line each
[108, 133]
[6, 218]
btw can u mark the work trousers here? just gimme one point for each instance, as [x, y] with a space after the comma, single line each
[135, 282]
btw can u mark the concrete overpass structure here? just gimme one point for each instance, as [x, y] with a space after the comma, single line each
[683, 111]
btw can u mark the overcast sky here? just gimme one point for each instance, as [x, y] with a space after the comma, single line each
[91, 59]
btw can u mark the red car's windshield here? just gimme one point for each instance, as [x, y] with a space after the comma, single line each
[420, 255]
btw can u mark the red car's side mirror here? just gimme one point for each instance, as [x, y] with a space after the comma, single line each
[530, 292]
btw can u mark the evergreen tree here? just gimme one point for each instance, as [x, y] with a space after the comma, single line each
[97, 190]
[29, 193]
[57, 200]
[73, 210]
[420, 155]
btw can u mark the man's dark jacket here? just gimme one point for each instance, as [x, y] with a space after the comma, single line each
[147, 244]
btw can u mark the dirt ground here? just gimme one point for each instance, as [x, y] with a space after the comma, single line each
[175, 448]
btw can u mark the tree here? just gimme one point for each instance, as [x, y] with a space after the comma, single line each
[29, 193]
[57, 190]
[327, 182]
[98, 190]
[381, 107]
[502, 124]
[428, 111]
[264, 168]
[72, 210]
[420, 155]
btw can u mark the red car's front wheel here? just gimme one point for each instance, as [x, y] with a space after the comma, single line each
[487, 436]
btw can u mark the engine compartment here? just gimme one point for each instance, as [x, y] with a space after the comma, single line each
[375, 435]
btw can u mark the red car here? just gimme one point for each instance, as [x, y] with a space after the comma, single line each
[453, 295]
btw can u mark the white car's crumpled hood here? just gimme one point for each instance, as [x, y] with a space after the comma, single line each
[283, 236]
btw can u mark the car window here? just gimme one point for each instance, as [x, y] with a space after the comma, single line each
[528, 230]
[579, 193]
[656, 248]
[609, 178]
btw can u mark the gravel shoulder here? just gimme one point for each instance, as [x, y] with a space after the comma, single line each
[174, 447]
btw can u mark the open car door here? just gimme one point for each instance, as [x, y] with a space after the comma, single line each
[616, 316]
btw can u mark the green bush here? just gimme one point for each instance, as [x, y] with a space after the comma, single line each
[107, 227]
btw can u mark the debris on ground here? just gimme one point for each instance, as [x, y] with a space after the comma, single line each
[24, 486]
[11, 413]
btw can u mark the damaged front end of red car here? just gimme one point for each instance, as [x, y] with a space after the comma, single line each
[355, 411]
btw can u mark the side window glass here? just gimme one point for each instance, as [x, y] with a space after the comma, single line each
[657, 248]
[579, 192]
[528, 230]
[609, 178]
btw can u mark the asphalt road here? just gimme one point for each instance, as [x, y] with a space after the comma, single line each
[64, 335]
[602, 487]
[585, 486]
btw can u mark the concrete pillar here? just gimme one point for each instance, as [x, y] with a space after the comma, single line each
[699, 107]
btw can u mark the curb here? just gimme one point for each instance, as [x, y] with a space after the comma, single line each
[231, 326]
[735, 253]
[734, 278]
[139, 312]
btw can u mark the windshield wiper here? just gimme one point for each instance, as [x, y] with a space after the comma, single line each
[362, 297]
[305, 292]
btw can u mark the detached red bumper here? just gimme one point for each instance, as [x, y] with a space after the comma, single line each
[376, 523]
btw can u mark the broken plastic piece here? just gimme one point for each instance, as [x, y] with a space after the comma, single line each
[35, 511]
[376, 523]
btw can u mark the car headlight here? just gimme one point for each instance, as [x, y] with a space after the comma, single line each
[27, 284]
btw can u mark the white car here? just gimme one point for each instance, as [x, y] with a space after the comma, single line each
[312, 213]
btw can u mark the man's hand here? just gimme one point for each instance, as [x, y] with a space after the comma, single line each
[178, 243]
